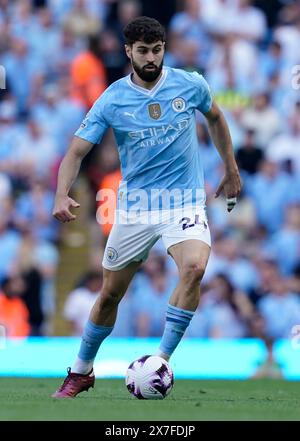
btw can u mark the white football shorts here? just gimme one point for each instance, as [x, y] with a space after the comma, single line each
[132, 236]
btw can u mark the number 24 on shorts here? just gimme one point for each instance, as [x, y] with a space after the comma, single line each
[186, 222]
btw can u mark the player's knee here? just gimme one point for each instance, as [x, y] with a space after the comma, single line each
[192, 273]
[110, 297]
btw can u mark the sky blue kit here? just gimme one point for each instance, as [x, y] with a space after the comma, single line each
[155, 132]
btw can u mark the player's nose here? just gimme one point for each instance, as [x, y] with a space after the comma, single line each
[150, 57]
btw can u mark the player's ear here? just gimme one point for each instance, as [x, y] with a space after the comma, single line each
[128, 50]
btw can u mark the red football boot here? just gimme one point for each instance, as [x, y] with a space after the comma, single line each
[74, 384]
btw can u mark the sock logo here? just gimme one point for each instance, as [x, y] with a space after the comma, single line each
[89, 345]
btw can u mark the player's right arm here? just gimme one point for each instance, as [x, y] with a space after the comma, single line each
[89, 133]
[68, 172]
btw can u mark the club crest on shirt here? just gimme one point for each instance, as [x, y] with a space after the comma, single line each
[178, 104]
[154, 110]
[112, 254]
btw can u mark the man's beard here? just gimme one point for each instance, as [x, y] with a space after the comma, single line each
[147, 75]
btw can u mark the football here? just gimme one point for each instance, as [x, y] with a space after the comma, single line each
[149, 378]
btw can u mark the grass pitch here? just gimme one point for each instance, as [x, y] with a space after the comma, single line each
[28, 399]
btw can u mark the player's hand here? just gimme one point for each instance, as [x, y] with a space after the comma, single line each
[62, 206]
[231, 185]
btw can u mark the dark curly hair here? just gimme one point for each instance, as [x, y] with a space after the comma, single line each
[144, 29]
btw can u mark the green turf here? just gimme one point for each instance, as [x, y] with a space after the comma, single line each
[28, 399]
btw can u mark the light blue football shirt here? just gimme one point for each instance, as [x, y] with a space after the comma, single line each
[155, 131]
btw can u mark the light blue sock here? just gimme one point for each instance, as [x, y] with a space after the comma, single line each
[92, 337]
[177, 320]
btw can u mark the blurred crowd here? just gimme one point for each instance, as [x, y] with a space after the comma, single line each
[59, 56]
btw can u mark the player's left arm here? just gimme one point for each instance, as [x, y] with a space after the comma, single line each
[219, 131]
